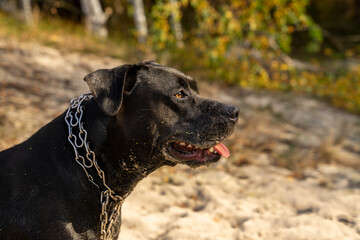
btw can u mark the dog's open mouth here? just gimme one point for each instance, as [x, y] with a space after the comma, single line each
[193, 155]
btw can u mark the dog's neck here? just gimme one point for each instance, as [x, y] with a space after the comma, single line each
[123, 168]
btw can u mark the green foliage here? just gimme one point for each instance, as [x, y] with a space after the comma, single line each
[248, 42]
[245, 43]
[256, 24]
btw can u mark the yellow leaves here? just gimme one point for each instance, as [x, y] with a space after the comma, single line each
[184, 3]
[263, 78]
[239, 4]
[264, 42]
[342, 89]
[228, 14]
[234, 26]
[274, 64]
[284, 67]
[290, 29]
[279, 14]
[200, 44]
[214, 53]
[244, 43]
[304, 20]
[252, 23]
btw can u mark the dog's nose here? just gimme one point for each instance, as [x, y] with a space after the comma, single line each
[233, 113]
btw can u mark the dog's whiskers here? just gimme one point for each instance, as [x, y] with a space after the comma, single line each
[142, 116]
[156, 141]
[152, 147]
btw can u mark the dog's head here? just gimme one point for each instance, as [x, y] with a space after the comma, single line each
[159, 115]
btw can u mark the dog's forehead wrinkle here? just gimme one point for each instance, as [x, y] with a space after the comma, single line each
[171, 76]
[182, 82]
[171, 70]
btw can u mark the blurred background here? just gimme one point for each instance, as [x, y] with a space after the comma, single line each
[299, 45]
[291, 66]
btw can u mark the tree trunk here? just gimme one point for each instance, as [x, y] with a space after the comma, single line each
[27, 11]
[8, 6]
[176, 23]
[21, 9]
[95, 17]
[140, 21]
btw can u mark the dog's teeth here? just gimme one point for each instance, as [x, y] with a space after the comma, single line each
[182, 144]
[211, 149]
[190, 146]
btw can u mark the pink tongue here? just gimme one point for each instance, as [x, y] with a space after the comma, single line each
[222, 149]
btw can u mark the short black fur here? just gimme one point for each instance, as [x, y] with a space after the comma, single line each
[132, 122]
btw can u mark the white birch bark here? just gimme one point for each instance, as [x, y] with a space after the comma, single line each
[95, 17]
[27, 11]
[19, 8]
[176, 24]
[8, 6]
[140, 21]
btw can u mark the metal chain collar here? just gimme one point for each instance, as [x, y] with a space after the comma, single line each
[73, 119]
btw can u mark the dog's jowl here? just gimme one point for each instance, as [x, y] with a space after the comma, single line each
[69, 180]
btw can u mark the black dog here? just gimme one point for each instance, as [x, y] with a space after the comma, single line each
[84, 163]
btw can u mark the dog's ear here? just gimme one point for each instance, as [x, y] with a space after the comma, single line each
[107, 86]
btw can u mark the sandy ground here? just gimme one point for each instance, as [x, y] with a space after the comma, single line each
[251, 195]
[250, 203]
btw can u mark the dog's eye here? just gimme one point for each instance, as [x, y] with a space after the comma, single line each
[180, 94]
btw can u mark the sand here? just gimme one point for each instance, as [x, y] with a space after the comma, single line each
[252, 195]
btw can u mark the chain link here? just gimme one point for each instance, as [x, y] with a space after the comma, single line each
[73, 120]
